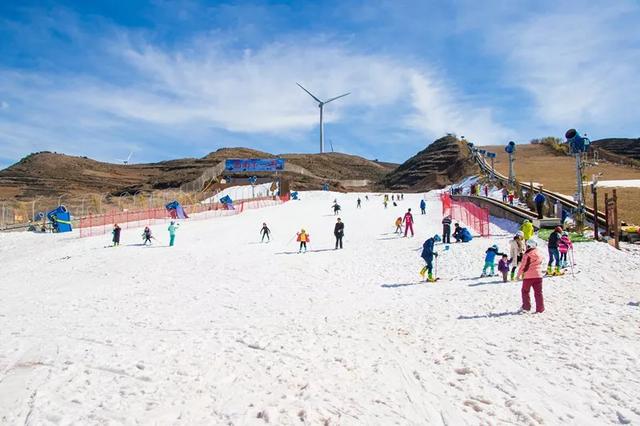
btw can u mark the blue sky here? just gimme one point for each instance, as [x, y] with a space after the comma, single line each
[167, 79]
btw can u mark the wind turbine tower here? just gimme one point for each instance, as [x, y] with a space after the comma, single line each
[321, 105]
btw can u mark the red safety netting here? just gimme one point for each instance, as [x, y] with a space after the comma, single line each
[473, 216]
[103, 223]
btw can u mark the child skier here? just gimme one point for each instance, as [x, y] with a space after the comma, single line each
[116, 235]
[146, 236]
[516, 251]
[554, 252]
[531, 272]
[336, 208]
[564, 245]
[511, 197]
[503, 267]
[423, 207]
[527, 229]
[489, 260]
[359, 203]
[303, 238]
[428, 253]
[172, 232]
[398, 226]
[265, 232]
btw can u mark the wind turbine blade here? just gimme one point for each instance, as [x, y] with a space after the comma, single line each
[337, 97]
[318, 100]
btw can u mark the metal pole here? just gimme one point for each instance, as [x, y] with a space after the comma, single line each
[616, 226]
[493, 169]
[579, 194]
[595, 210]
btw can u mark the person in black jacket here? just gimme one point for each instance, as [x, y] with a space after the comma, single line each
[554, 252]
[116, 235]
[338, 231]
[457, 233]
[446, 230]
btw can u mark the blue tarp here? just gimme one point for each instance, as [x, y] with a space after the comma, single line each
[176, 211]
[466, 235]
[227, 201]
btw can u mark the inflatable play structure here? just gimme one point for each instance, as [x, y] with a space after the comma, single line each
[176, 211]
[60, 219]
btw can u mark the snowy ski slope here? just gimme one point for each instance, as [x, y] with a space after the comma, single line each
[221, 329]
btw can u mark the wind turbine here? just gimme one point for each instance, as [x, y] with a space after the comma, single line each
[321, 105]
[125, 162]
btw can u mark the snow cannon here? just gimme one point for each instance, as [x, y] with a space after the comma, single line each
[577, 144]
[176, 211]
[228, 202]
[60, 219]
[510, 148]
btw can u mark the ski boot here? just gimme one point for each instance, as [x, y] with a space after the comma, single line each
[513, 276]
[423, 271]
[549, 270]
[430, 278]
[558, 271]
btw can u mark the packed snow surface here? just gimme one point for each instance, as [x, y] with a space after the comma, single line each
[624, 183]
[222, 329]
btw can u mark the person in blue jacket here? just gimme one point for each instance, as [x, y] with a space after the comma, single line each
[466, 236]
[423, 207]
[539, 200]
[428, 253]
[489, 260]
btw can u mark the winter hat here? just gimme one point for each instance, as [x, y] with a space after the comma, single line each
[526, 221]
[558, 229]
[520, 234]
[437, 238]
[532, 244]
[495, 247]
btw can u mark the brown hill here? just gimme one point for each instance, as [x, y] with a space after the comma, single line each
[619, 150]
[51, 174]
[445, 161]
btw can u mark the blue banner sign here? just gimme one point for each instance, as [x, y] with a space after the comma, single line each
[254, 164]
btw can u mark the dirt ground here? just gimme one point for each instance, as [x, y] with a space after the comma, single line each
[539, 163]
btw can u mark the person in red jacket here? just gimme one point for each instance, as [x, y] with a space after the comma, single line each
[408, 222]
[531, 272]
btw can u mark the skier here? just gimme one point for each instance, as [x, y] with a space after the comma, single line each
[265, 232]
[554, 253]
[564, 245]
[446, 230]
[393, 197]
[516, 251]
[428, 253]
[366, 197]
[527, 229]
[531, 273]
[408, 222]
[116, 235]
[385, 203]
[539, 200]
[146, 236]
[503, 267]
[336, 208]
[398, 226]
[338, 231]
[423, 207]
[489, 259]
[303, 238]
[486, 190]
[359, 203]
[172, 232]
[511, 197]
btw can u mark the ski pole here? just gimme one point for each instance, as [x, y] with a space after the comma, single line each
[572, 262]
[436, 269]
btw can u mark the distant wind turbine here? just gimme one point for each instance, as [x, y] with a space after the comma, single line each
[125, 162]
[321, 105]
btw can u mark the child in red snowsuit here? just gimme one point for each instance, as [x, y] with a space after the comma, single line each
[408, 222]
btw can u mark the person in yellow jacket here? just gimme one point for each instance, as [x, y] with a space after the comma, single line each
[303, 239]
[527, 229]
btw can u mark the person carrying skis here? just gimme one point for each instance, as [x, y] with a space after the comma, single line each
[530, 271]
[503, 267]
[539, 200]
[423, 207]
[516, 251]
[265, 232]
[359, 203]
[408, 222]
[554, 252]
[303, 238]
[173, 227]
[428, 253]
[336, 208]
[564, 245]
[489, 260]
[446, 230]
[338, 231]
[398, 226]
[116, 235]
[527, 229]
[146, 236]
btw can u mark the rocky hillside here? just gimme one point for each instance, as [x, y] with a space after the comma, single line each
[445, 161]
[617, 149]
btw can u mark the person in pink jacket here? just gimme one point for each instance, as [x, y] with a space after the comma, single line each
[408, 223]
[564, 245]
[531, 272]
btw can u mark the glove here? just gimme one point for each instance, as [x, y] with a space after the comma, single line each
[435, 254]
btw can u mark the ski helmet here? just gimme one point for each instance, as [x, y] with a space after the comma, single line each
[520, 234]
[531, 244]
[437, 238]
[495, 247]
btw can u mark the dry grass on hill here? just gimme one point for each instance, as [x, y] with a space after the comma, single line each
[539, 163]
